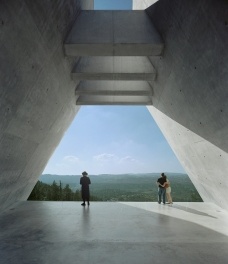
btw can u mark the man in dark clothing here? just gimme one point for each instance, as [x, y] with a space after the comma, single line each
[85, 182]
[161, 190]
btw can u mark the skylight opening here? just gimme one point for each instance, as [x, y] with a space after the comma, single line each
[112, 4]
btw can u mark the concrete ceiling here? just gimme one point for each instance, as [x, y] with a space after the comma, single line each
[114, 66]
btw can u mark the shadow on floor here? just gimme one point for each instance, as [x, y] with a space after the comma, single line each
[190, 210]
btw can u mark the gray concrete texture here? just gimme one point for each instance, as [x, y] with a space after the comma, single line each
[113, 33]
[205, 164]
[36, 92]
[114, 100]
[190, 93]
[119, 33]
[114, 88]
[115, 233]
[114, 68]
[193, 71]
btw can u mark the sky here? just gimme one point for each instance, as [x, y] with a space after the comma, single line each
[113, 4]
[113, 139]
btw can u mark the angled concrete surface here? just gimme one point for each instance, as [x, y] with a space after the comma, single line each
[37, 95]
[114, 68]
[142, 4]
[193, 71]
[129, 233]
[113, 33]
[190, 92]
[205, 163]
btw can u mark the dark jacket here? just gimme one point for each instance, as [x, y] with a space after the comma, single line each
[161, 180]
[85, 182]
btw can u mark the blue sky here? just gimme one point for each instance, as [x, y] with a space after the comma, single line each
[113, 139]
[113, 4]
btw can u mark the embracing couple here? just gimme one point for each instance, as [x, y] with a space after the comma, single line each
[164, 189]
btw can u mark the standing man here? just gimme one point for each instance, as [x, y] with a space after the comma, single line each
[161, 189]
[85, 182]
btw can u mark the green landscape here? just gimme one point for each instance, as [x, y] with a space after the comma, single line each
[110, 187]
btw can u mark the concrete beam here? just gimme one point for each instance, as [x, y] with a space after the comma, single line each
[113, 100]
[114, 68]
[140, 88]
[113, 33]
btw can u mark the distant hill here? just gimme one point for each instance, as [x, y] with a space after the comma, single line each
[104, 179]
[129, 187]
[65, 179]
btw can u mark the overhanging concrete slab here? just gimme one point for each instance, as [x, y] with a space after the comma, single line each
[113, 100]
[113, 33]
[114, 68]
[114, 88]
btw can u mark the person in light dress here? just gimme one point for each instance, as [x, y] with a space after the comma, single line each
[168, 190]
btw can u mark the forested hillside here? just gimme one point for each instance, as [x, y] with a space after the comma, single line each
[122, 187]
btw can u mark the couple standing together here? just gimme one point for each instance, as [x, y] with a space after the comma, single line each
[164, 189]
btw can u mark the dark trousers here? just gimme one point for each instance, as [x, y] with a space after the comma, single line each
[161, 195]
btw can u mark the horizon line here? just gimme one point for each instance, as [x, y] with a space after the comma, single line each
[128, 173]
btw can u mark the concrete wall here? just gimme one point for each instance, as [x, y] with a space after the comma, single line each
[192, 74]
[191, 88]
[37, 101]
[205, 164]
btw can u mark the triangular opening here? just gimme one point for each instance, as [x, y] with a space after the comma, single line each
[121, 144]
[124, 146]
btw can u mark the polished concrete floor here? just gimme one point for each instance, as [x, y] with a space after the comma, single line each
[66, 232]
